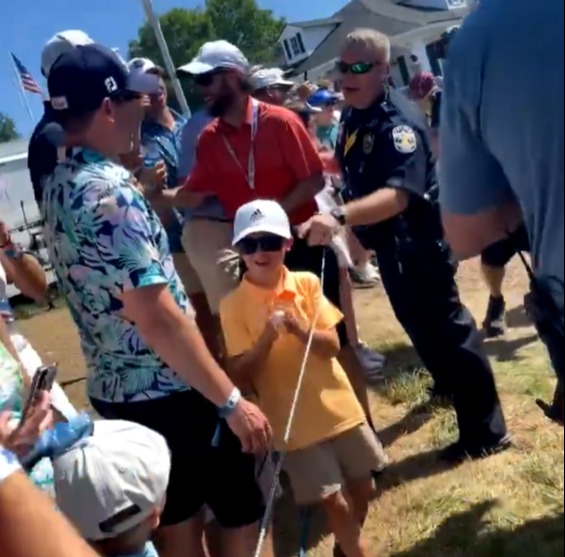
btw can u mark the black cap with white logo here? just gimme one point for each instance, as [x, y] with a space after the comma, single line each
[81, 80]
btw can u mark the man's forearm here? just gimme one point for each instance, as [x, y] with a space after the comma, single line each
[378, 207]
[26, 273]
[303, 193]
[175, 338]
[31, 527]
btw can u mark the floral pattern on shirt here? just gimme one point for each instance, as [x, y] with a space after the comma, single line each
[103, 240]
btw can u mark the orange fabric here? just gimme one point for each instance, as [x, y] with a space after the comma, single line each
[328, 406]
[284, 156]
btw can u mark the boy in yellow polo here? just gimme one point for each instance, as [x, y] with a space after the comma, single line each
[266, 321]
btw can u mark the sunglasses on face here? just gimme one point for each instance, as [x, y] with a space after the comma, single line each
[122, 97]
[359, 68]
[205, 80]
[266, 244]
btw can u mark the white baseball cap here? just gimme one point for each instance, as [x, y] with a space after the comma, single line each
[214, 56]
[261, 216]
[59, 44]
[111, 482]
[269, 77]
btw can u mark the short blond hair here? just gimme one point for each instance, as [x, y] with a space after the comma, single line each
[370, 39]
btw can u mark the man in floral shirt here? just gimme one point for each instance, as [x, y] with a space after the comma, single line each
[147, 361]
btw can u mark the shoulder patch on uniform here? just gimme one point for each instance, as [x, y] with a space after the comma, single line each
[405, 140]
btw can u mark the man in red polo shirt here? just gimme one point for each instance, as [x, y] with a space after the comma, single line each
[254, 150]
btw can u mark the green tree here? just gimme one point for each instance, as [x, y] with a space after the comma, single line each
[240, 22]
[8, 130]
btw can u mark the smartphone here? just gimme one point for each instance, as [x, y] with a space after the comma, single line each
[43, 380]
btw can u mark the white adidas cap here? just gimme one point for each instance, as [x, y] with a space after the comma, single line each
[261, 216]
[59, 44]
[111, 482]
[270, 77]
[217, 55]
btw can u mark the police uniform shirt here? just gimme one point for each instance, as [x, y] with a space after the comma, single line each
[387, 146]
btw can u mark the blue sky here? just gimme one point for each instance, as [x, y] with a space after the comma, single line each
[25, 25]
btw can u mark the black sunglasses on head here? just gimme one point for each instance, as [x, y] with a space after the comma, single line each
[269, 243]
[359, 68]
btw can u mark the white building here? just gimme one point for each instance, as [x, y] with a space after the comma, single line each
[16, 192]
[414, 26]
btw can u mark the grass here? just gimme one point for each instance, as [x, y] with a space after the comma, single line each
[508, 506]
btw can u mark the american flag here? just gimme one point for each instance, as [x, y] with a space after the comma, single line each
[26, 79]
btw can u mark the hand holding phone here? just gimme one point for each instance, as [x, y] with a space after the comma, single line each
[43, 381]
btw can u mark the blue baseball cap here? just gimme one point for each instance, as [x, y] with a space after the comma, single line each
[323, 97]
[81, 80]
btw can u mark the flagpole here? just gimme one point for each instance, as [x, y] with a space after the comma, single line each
[22, 91]
[166, 54]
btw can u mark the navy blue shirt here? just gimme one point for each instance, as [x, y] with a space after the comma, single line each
[42, 151]
[502, 129]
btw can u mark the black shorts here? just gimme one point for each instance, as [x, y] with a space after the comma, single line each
[501, 253]
[222, 478]
[303, 257]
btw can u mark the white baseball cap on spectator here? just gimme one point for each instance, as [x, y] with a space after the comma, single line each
[261, 216]
[214, 56]
[59, 44]
[269, 77]
[110, 483]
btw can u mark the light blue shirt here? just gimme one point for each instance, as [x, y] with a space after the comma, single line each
[502, 130]
[211, 208]
[149, 551]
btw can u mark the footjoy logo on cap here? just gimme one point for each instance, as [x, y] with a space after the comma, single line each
[111, 85]
[256, 216]
[59, 103]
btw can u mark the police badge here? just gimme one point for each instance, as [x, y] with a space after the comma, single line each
[368, 143]
[405, 140]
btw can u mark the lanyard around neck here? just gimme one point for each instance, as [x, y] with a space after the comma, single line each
[250, 176]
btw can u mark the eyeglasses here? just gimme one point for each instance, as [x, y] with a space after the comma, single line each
[267, 244]
[359, 68]
[206, 79]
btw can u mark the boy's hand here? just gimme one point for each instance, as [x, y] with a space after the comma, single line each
[271, 332]
[293, 326]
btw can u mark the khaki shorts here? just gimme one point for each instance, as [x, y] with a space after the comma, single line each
[323, 470]
[187, 274]
[207, 244]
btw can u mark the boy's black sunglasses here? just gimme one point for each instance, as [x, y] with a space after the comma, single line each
[359, 68]
[268, 244]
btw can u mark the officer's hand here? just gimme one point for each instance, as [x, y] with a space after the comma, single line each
[319, 230]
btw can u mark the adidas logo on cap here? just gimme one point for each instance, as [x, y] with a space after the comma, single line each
[256, 216]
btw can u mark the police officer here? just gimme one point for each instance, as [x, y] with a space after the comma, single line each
[389, 170]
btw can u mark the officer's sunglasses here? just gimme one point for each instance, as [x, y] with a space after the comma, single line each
[359, 68]
[269, 243]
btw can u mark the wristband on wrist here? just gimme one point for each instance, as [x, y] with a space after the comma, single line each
[225, 412]
[9, 464]
[231, 404]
